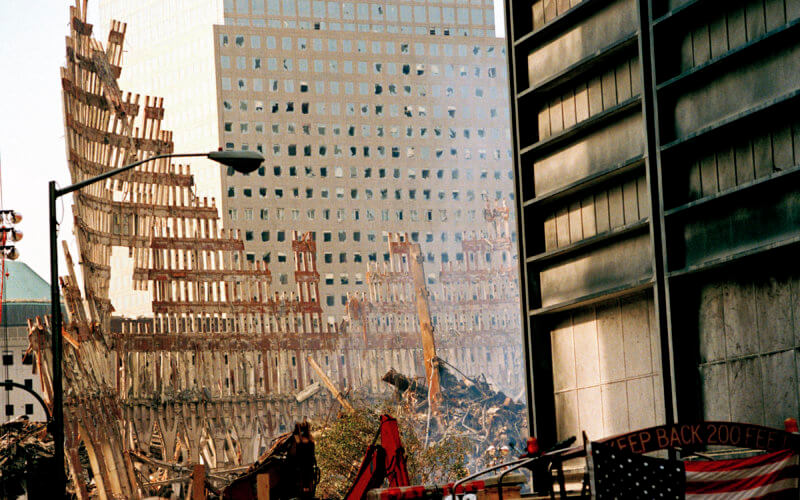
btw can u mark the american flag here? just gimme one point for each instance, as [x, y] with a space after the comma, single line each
[624, 475]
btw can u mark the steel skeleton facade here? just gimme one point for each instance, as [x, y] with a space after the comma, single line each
[657, 151]
[473, 306]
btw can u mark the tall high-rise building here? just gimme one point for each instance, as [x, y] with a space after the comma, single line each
[374, 118]
[657, 155]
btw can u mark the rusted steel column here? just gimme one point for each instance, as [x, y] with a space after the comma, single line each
[425, 326]
[329, 384]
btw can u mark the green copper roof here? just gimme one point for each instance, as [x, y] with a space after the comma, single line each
[22, 284]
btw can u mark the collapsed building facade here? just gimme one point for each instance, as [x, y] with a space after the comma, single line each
[474, 308]
[220, 367]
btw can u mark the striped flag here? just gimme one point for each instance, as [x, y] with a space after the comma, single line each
[625, 475]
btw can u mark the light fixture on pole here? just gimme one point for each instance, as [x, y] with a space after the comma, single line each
[241, 161]
[8, 233]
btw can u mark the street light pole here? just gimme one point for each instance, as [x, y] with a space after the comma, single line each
[241, 161]
[57, 428]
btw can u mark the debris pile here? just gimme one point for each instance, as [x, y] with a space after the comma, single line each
[469, 408]
[25, 448]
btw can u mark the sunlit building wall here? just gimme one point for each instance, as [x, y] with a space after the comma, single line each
[374, 118]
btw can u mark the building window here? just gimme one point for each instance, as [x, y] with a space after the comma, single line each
[9, 410]
[8, 359]
[29, 409]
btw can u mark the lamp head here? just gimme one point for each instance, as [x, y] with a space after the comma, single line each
[243, 162]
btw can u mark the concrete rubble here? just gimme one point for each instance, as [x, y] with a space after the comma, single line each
[25, 449]
[469, 407]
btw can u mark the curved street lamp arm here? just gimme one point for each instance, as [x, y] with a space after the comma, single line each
[111, 173]
[8, 384]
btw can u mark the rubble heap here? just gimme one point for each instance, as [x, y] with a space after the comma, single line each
[25, 447]
[469, 407]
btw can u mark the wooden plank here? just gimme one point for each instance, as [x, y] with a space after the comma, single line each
[782, 148]
[687, 52]
[744, 162]
[544, 123]
[602, 219]
[587, 364]
[754, 18]
[588, 217]
[566, 414]
[746, 391]
[780, 387]
[568, 104]
[792, 9]
[556, 116]
[581, 103]
[550, 10]
[616, 212]
[595, 91]
[636, 76]
[623, 78]
[695, 186]
[641, 401]
[609, 88]
[740, 319]
[575, 222]
[563, 349]
[611, 350]
[708, 175]
[643, 198]
[716, 392]
[550, 236]
[773, 297]
[636, 336]
[701, 45]
[590, 405]
[762, 155]
[616, 411]
[737, 31]
[711, 323]
[775, 15]
[718, 33]
[538, 14]
[726, 169]
[562, 226]
[630, 198]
